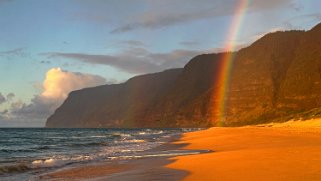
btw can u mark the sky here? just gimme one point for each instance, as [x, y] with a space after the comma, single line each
[49, 48]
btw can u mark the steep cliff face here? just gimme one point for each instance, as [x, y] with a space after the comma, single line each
[278, 75]
[119, 105]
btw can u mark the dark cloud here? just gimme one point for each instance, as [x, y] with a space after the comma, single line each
[9, 120]
[45, 62]
[10, 96]
[25, 115]
[12, 54]
[163, 13]
[17, 51]
[17, 105]
[152, 20]
[189, 43]
[134, 60]
[2, 99]
[39, 108]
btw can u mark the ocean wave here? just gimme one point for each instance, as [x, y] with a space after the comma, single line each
[43, 147]
[13, 168]
[58, 161]
[55, 149]
[44, 163]
[27, 150]
[131, 141]
[121, 135]
[150, 132]
[56, 137]
[99, 136]
[88, 144]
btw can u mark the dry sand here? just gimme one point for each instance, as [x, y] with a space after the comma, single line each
[287, 151]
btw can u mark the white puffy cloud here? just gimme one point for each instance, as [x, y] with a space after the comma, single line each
[56, 87]
[58, 83]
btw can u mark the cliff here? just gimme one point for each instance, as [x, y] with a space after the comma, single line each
[278, 75]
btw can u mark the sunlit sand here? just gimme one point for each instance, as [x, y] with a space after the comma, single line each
[276, 151]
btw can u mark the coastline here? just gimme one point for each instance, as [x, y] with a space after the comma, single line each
[136, 169]
[276, 151]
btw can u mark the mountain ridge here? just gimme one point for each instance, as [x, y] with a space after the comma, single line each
[276, 76]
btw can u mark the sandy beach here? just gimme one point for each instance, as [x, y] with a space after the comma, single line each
[282, 151]
[286, 151]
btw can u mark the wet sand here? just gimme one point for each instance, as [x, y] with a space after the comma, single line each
[289, 151]
[141, 169]
[86, 172]
[133, 170]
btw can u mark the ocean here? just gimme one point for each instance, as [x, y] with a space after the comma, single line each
[27, 153]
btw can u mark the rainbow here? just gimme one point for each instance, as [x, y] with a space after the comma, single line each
[222, 80]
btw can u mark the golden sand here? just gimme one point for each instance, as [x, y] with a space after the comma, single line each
[286, 151]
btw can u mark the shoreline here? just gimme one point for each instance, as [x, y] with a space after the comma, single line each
[275, 151]
[136, 169]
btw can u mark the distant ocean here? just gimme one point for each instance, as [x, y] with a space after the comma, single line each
[26, 153]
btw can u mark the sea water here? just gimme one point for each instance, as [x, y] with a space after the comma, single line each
[26, 153]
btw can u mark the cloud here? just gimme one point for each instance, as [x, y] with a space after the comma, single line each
[13, 53]
[17, 105]
[134, 60]
[56, 87]
[163, 13]
[294, 23]
[2, 99]
[59, 83]
[17, 51]
[45, 62]
[10, 96]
